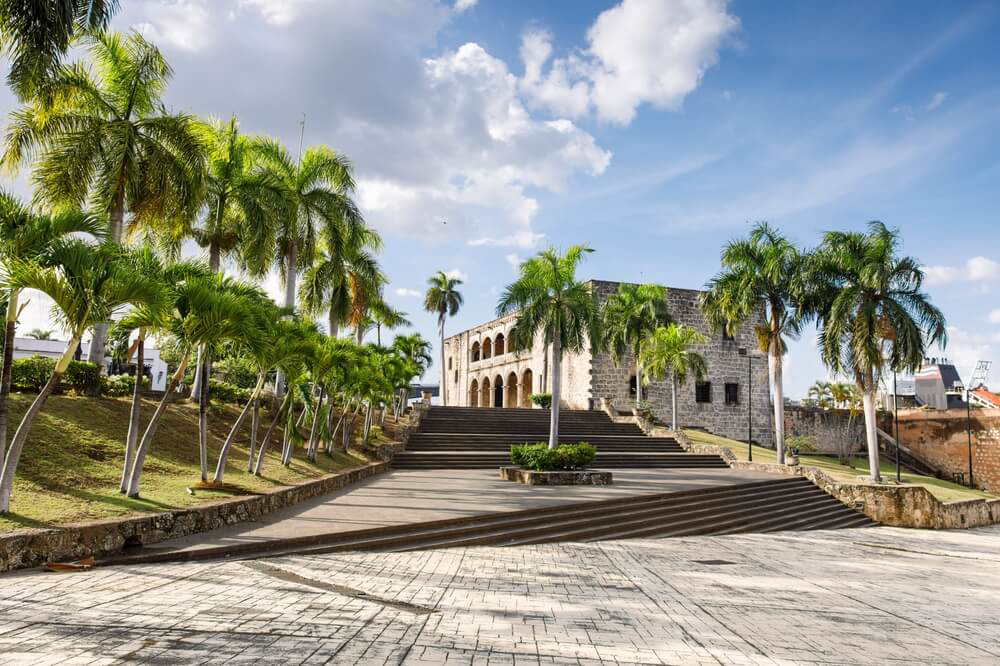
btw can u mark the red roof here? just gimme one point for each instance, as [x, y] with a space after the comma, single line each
[988, 396]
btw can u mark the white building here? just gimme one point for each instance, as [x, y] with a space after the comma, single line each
[156, 368]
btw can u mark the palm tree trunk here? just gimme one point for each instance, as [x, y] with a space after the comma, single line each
[556, 386]
[220, 467]
[290, 276]
[638, 380]
[203, 418]
[868, 400]
[334, 325]
[331, 445]
[444, 370]
[5, 371]
[673, 403]
[779, 401]
[133, 419]
[214, 262]
[254, 425]
[314, 430]
[147, 438]
[21, 435]
[116, 218]
[259, 467]
[545, 367]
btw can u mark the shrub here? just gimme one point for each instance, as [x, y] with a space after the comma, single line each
[543, 400]
[117, 385]
[30, 374]
[224, 392]
[82, 376]
[541, 458]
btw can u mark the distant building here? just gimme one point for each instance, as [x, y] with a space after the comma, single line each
[939, 386]
[482, 371]
[906, 396]
[982, 397]
[155, 367]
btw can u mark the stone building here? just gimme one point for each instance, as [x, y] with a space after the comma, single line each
[483, 372]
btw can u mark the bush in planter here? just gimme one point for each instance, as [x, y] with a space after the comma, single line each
[541, 458]
[543, 400]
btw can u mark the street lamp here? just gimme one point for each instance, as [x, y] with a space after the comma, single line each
[744, 352]
[968, 430]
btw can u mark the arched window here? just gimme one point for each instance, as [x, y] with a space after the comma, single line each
[498, 345]
[487, 349]
[510, 399]
[449, 362]
[527, 388]
[498, 391]
[475, 351]
[474, 393]
[486, 395]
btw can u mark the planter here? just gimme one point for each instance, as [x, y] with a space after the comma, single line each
[579, 477]
[791, 460]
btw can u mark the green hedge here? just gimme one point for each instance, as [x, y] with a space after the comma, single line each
[30, 374]
[223, 392]
[541, 458]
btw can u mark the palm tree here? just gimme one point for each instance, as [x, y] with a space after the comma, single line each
[35, 35]
[758, 283]
[316, 190]
[629, 319]
[444, 299]
[40, 334]
[343, 268]
[668, 353]
[108, 140]
[871, 313]
[88, 284]
[384, 314]
[416, 352]
[844, 395]
[547, 297]
[822, 394]
[25, 235]
[202, 312]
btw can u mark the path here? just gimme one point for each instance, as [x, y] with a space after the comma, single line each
[872, 596]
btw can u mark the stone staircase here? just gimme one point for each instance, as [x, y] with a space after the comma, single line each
[791, 503]
[480, 438]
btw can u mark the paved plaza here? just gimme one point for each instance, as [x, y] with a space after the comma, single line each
[863, 596]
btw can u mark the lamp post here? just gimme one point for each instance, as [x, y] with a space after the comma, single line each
[895, 410]
[744, 352]
[968, 430]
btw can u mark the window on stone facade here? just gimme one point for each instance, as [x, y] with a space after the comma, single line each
[732, 394]
[449, 362]
[475, 351]
[456, 376]
[703, 392]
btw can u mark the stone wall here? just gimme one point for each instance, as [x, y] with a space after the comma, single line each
[825, 426]
[888, 504]
[940, 437]
[725, 365]
[35, 547]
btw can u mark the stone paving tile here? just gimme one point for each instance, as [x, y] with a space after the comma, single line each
[871, 596]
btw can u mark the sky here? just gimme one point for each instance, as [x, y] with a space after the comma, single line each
[482, 132]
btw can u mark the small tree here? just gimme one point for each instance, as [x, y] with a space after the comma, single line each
[88, 285]
[443, 299]
[669, 353]
[548, 298]
[630, 317]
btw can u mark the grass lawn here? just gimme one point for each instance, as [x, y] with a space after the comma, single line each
[943, 490]
[70, 467]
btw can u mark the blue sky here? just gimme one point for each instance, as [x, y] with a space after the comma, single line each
[652, 130]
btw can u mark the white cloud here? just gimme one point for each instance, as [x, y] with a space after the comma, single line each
[407, 293]
[976, 269]
[456, 273]
[937, 100]
[639, 51]
[965, 349]
[994, 316]
[513, 259]
[185, 24]
[465, 5]
[446, 137]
